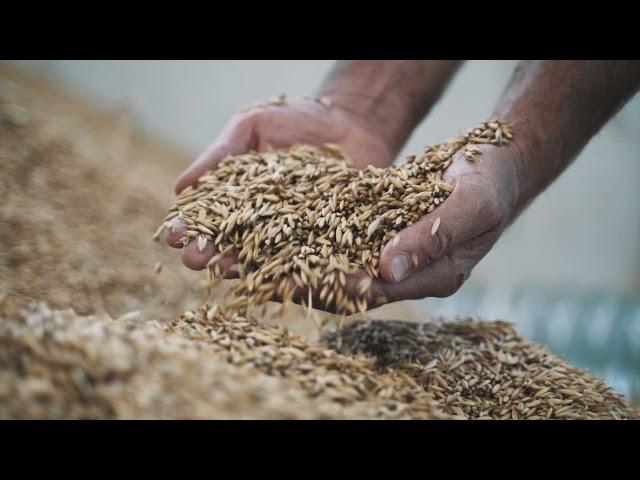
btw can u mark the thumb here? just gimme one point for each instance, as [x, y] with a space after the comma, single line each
[237, 138]
[461, 217]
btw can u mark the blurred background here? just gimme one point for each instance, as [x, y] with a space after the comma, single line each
[567, 273]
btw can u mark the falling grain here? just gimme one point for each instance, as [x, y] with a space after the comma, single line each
[434, 227]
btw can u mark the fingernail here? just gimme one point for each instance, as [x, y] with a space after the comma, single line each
[400, 266]
[174, 224]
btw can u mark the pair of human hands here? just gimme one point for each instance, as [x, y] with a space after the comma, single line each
[417, 265]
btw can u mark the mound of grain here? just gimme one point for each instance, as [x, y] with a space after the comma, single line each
[56, 364]
[483, 370]
[205, 364]
[77, 208]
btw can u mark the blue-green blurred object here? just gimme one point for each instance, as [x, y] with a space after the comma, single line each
[600, 333]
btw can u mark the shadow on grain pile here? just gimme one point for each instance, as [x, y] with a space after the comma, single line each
[88, 330]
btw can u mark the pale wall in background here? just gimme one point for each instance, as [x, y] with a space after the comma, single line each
[582, 233]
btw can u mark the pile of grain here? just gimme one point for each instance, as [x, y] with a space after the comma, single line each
[57, 364]
[78, 200]
[80, 193]
[483, 370]
[301, 219]
[320, 371]
[205, 364]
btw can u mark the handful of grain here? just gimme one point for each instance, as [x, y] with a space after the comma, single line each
[302, 219]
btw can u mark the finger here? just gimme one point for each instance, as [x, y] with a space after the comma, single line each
[194, 258]
[236, 139]
[226, 265]
[175, 232]
[464, 215]
[444, 276]
[440, 279]
[197, 259]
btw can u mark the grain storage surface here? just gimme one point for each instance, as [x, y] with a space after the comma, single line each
[82, 191]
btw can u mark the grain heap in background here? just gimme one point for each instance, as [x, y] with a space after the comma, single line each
[76, 212]
[210, 364]
[301, 219]
[482, 370]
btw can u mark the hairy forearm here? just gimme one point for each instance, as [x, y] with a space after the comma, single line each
[393, 96]
[556, 107]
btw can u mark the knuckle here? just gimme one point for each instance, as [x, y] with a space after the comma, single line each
[459, 271]
[452, 285]
[439, 244]
[246, 120]
[381, 295]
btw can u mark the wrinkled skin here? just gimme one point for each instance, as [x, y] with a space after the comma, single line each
[471, 219]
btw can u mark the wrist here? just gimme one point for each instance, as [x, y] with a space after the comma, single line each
[555, 107]
[527, 152]
[385, 118]
[389, 98]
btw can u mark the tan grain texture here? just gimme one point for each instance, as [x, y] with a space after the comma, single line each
[82, 191]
